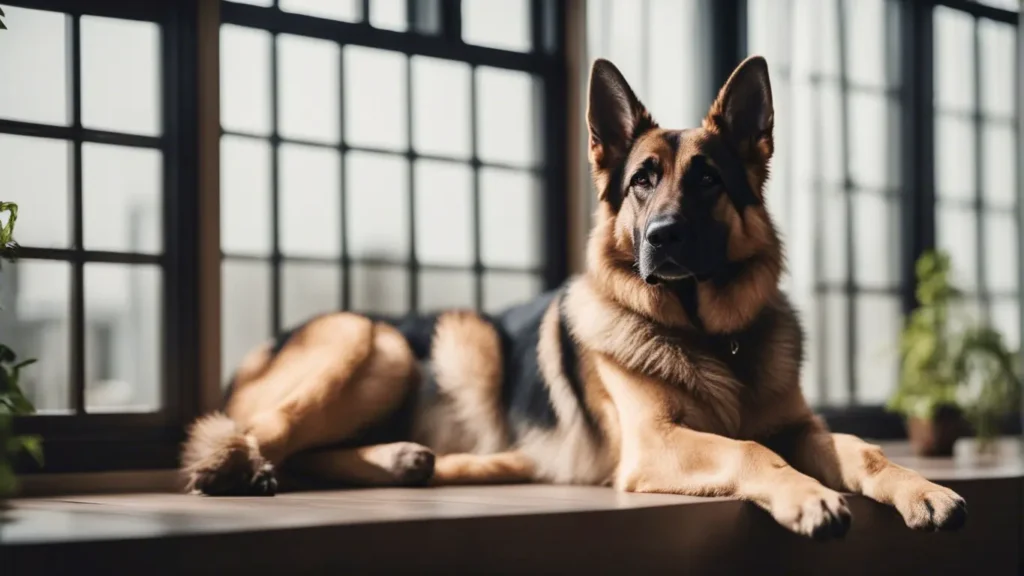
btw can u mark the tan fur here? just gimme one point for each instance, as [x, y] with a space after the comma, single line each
[654, 401]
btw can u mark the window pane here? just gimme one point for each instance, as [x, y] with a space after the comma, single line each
[35, 298]
[823, 137]
[1005, 314]
[310, 200]
[874, 141]
[121, 75]
[501, 24]
[34, 49]
[375, 98]
[388, 15]
[1001, 251]
[836, 356]
[832, 235]
[824, 31]
[877, 228]
[954, 158]
[344, 10]
[308, 290]
[245, 202]
[377, 222]
[121, 199]
[616, 31]
[34, 175]
[245, 311]
[879, 322]
[999, 163]
[380, 289]
[964, 313]
[245, 79]
[867, 41]
[123, 324]
[441, 107]
[307, 87]
[956, 233]
[442, 290]
[510, 218]
[266, 3]
[504, 289]
[676, 28]
[506, 116]
[954, 59]
[444, 213]
[998, 60]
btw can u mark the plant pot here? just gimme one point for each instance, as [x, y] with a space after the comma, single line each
[935, 437]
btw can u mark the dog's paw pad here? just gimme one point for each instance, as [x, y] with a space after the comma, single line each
[413, 464]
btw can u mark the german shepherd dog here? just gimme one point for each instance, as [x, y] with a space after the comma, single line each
[672, 364]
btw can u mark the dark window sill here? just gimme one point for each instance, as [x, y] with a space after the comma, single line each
[526, 529]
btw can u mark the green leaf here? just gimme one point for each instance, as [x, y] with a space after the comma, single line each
[33, 445]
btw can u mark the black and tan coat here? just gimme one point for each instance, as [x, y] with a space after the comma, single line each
[671, 365]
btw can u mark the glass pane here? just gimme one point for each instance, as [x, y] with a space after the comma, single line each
[245, 311]
[265, 3]
[35, 60]
[505, 289]
[824, 32]
[245, 79]
[380, 289]
[805, 301]
[121, 75]
[245, 202]
[36, 301]
[1005, 316]
[344, 10]
[832, 235]
[122, 207]
[823, 137]
[866, 40]
[444, 212]
[388, 15]
[954, 158]
[123, 324]
[879, 321]
[510, 218]
[676, 28]
[501, 24]
[956, 233]
[377, 222]
[836, 356]
[307, 88]
[440, 107]
[622, 43]
[874, 141]
[34, 174]
[998, 60]
[1000, 251]
[376, 113]
[308, 290]
[964, 313]
[954, 59]
[876, 225]
[310, 200]
[442, 290]
[999, 163]
[506, 116]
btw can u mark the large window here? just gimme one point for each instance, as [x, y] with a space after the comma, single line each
[375, 171]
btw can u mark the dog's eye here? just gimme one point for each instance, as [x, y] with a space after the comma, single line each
[640, 180]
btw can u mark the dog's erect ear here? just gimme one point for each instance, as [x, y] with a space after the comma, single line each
[615, 116]
[743, 110]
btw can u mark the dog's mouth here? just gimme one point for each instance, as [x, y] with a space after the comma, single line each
[667, 271]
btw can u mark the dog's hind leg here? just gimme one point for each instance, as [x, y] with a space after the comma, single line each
[335, 376]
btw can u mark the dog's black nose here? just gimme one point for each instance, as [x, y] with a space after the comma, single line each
[663, 232]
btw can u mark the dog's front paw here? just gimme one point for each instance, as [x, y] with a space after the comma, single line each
[812, 510]
[927, 506]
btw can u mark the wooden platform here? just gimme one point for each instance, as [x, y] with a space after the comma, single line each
[507, 529]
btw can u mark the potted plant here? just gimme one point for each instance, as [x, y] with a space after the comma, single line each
[950, 380]
[12, 400]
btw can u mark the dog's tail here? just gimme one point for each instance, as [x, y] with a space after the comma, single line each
[215, 446]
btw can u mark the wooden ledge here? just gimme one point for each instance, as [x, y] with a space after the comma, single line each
[506, 529]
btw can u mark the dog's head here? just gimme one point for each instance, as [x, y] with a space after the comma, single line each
[684, 206]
